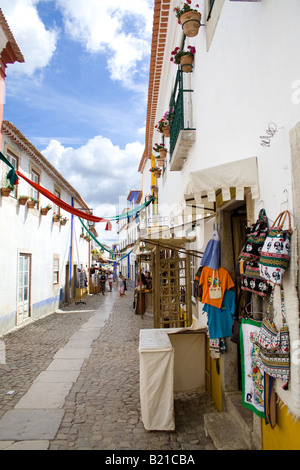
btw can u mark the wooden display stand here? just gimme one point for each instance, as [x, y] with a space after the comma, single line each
[171, 283]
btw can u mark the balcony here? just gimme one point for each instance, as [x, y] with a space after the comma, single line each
[182, 132]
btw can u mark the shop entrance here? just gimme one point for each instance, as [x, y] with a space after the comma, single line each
[233, 222]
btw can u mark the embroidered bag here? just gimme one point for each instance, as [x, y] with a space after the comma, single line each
[252, 281]
[275, 254]
[274, 346]
[215, 291]
[255, 238]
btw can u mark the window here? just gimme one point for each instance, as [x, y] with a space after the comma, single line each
[55, 270]
[35, 177]
[56, 209]
[24, 287]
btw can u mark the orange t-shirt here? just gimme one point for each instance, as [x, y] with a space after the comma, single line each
[221, 278]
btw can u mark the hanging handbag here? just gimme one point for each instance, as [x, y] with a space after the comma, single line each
[252, 281]
[255, 238]
[215, 291]
[275, 254]
[274, 346]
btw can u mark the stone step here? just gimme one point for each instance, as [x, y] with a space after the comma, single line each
[224, 432]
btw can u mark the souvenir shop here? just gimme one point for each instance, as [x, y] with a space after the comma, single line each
[248, 335]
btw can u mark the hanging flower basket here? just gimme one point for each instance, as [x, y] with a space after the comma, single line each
[159, 147]
[166, 131]
[45, 210]
[186, 63]
[156, 171]
[189, 18]
[163, 125]
[56, 217]
[23, 200]
[160, 161]
[190, 22]
[63, 221]
[31, 203]
[163, 153]
[5, 192]
[184, 58]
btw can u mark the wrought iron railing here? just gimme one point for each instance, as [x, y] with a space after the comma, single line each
[180, 109]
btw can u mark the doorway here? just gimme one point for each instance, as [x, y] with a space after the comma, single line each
[233, 222]
[24, 284]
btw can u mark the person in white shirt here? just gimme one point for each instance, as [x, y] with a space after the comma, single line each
[110, 278]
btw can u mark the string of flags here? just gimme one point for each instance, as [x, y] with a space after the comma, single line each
[13, 177]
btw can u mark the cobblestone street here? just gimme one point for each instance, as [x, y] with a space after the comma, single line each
[102, 409]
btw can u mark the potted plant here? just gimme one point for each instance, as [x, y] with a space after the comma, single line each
[63, 220]
[32, 202]
[156, 171]
[163, 126]
[184, 58]
[154, 188]
[56, 217]
[45, 210]
[6, 187]
[23, 200]
[189, 18]
[159, 161]
[160, 148]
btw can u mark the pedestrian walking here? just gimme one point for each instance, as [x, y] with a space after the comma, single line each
[110, 280]
[102, 282]
[121, 285]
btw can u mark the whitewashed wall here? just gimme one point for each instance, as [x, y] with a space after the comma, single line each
[248, 77]
[26, 231]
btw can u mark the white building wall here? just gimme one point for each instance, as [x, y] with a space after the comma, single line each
[26, 231]
[247, 77]
[241, 84]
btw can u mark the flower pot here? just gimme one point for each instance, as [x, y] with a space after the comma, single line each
[160, 161]
[155, 190]
[186, 63]
[63, 222]
[44, 211]
[190, 21]
[157, 174]
[56, 218]
[23, 200]
[166, 131]
[5, 192]
[31, 204]
[163, 153]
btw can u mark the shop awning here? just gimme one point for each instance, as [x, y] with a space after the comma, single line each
[239, 174]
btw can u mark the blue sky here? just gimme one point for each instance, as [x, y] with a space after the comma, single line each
[81, 95]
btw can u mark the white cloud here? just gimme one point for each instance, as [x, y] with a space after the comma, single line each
[102, 173]
[36, 42]
[99, 170]
[122, 30]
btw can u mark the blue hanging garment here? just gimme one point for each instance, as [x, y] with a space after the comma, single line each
[211, 255]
